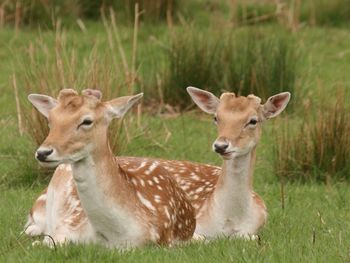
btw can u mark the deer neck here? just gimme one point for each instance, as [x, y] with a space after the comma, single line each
[98, 167]
[234, 188]
[105, 195]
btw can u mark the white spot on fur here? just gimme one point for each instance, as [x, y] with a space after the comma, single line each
[145, 202]
[167, 212]
[153, 166]
[156, 180]
[142, 182]
[199, 189]
[157, 198]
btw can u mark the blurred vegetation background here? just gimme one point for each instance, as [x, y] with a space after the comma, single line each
[162, 46]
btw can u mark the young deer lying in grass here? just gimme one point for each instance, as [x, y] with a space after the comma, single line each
[223, 198]
[117, 208]
[233, 208]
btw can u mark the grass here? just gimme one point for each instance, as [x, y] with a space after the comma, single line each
[45, 13]
[306, 230]
[194, 60]
[318, 146]
[248, 61]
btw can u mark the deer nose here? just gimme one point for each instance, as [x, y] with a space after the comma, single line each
[42, 154]
[220, 147]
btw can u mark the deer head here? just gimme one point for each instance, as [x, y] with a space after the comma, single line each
[238, 118]
[78, 123]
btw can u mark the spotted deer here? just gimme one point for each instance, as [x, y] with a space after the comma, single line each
[234, 209]
[223, 199]
[100, 199]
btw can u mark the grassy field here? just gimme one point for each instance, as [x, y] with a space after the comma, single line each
[314, 225]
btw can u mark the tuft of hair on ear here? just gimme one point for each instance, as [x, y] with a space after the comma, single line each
[94, 93]
[64, 93]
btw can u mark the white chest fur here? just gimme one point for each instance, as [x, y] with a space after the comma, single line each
[113, 224]
[232, 211]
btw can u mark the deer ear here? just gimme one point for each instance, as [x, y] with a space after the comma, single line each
[205, 100]
[118, 107]
[276, 104]
[42, 103]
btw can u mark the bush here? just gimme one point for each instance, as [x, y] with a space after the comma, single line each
[262, 65]
[325, 12]
[244, 62]
[317, 148]
[194, 60]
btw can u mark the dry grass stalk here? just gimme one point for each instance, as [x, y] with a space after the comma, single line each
[160, 92]
[134, 49]
[133, 63]
[234, 11]
[169, 14]
[81, 25]
[119, 43]
[2, 16]
[17, 16]
[18, 106]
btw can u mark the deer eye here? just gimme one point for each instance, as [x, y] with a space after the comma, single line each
[215, 120]
[253, 122]
[86, 123]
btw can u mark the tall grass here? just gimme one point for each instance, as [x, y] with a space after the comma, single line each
[292, 12]
[153, 10]
[317, 148]
[260, 64]
[244, 62]
[194, 60]
[253, 12]
[45, 13]
[325, 12]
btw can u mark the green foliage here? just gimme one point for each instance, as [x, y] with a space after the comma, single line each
[317, 148]
[254, 12]
[45, 13]
[261, 64]
[307, 230]
[194, 60]
[325, 12]
[245, 62]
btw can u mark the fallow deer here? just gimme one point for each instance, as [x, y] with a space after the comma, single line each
[234, 209]
[117, 207]
[223, 199]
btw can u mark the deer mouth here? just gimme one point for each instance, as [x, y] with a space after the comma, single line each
[49, 163]
[227, 155]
